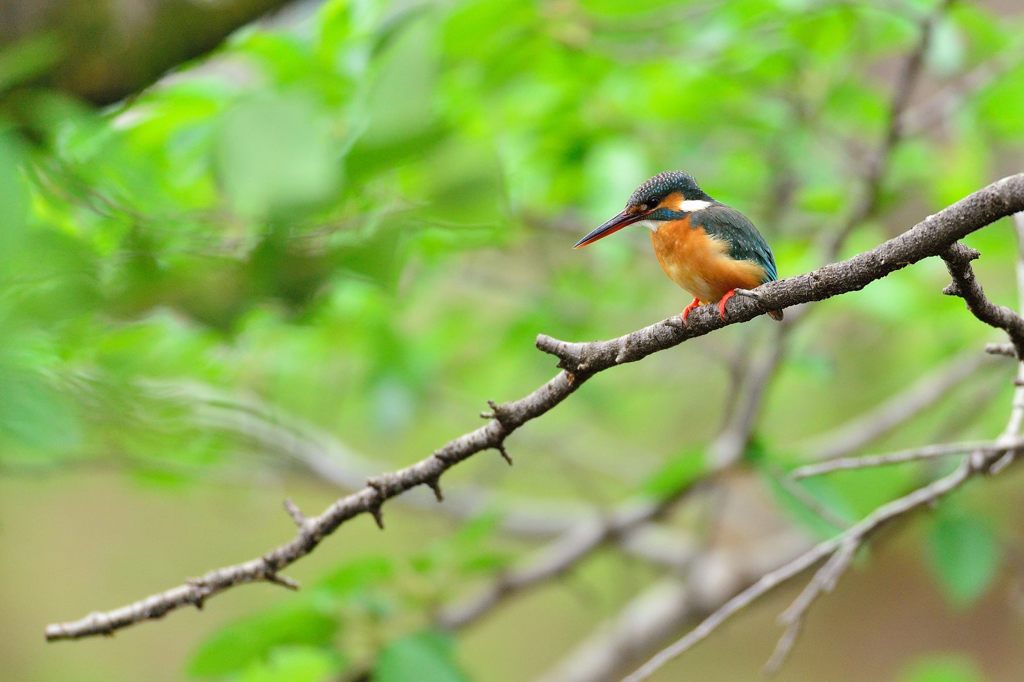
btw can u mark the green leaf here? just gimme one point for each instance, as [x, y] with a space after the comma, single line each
[964, 556]
[1000, 106]
[676, 474]
[425, 657]
[962, 169]
[276, 152]
[251, 640]
[295, 664]
[478, 530]
[942, 668]
[357, 575]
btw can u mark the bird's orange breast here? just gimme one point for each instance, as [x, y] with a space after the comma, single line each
[700, 263]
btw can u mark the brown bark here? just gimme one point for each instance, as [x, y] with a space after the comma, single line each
[105, 50]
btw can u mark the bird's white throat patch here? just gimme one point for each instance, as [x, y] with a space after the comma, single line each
[651, 225]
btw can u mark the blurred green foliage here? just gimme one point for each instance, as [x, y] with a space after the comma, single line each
[422, 656]
[239, 645]
[365, 220]
[964, 555]
[942, 668]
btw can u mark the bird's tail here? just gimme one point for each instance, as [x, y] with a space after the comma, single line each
[775, 315]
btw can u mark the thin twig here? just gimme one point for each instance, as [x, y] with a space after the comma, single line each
[902, 456]
[926, 495]
[874, 174]
[958, 259]
[1005, 349]
[863, 429]
[661, 610]
[808, 500]
[940, 105]
[557, 558]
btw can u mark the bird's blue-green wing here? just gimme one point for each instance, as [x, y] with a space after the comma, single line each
[734, 228]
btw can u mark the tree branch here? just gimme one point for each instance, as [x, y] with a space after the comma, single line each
[903, 456]
[574, 546]
[104, 52]
[579, 362]
[1004, 349]
[331, 460]
[659, 611]
[898, 409]
[558, 557]
[895, 129]
[958, 259]
[931, 237]
[852, 537]
[840, 549]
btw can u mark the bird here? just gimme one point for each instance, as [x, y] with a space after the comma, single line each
[704, 246]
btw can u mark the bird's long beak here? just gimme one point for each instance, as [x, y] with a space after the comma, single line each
[620, 221]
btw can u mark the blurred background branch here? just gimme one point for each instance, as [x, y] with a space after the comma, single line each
[106, 50]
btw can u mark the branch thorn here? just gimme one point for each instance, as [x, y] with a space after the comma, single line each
[499, 413]
[378, 516]
[283, 581]
[375, 508]
[293, 511]
[500, 447]
[435, 485]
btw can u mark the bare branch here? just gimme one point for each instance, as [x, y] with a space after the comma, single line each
[557, 558]
[898, 409]
[329, 459]
[580, 361]
[560, 556]
[940, 105]
[744, 402]
[855, 536]
[988, 459]
[930, 237]
[101, 61]
[804, 497]
[903, 456]
[659, 611]
[293, 511]
[958, 259]
[874, 174]
[823, 581]
[1005, 349]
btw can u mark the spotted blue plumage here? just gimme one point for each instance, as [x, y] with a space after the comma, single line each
[662, 184]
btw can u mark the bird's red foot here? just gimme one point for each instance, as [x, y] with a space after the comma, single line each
[688, 309]
[725, 299]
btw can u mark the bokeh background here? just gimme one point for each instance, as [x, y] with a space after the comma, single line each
[313, 253]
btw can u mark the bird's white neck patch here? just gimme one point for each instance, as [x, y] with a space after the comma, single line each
[692, 205]
[651, 225]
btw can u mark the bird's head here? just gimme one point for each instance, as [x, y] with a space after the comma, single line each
[667, 196]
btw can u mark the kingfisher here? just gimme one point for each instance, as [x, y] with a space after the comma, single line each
[704, 246]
